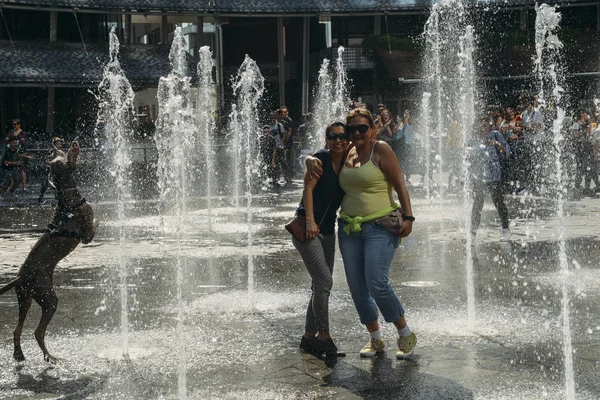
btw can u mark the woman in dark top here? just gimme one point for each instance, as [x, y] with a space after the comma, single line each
[321, 199]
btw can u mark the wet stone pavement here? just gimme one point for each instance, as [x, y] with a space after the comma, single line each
[242, 342]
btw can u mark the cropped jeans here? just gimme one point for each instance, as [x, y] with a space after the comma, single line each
[367, 256]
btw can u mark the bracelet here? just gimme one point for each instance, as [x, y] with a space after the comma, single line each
[309, 222]
[408, 218]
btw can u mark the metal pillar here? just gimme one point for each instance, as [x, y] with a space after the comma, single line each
[51, 90]
[3, 117]
[50, 110]
[305, 62]
[127, 30]
[53, 26]
[281, 59]
[164, 35]
[199, 36]
[523, 19]
[376, 94]
[219, 67]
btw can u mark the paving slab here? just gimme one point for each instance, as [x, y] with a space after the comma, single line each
[244, 308]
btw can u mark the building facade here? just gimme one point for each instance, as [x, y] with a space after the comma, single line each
[52, 51]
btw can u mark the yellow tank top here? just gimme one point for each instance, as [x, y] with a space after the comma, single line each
[367, 189]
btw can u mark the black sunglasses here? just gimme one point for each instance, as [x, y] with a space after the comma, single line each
[333, 136]
[351, 129]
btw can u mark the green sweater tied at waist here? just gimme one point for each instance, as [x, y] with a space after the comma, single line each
[354, 223]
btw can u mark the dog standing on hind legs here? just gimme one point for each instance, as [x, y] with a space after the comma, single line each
[73, 223]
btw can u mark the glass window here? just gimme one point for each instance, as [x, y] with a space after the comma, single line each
[94, 27]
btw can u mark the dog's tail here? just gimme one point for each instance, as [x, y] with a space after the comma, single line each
[10, 285]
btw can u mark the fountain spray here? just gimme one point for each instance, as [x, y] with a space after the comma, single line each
[547, 67]
[248, 88]
[115, 117]
[175, 132]
[206, 120]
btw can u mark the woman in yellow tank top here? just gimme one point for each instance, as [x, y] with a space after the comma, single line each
[367, 243]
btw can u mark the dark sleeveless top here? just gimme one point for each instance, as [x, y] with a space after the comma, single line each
[327, 187]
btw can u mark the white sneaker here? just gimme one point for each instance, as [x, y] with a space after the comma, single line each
[372, 348]
[505, 235]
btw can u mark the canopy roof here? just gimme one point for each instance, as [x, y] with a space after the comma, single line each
[46, 63]
[227, 7]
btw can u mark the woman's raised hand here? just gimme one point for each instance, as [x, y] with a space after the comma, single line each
[314, 167]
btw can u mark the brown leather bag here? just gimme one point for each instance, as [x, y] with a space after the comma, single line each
[297, 226]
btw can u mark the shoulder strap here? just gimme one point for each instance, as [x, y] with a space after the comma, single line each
[327, 209]
[373, 152]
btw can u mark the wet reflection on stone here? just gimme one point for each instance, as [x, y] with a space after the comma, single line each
[237, 350]
[387, 379]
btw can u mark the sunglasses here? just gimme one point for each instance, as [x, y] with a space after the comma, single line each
[351, 129]
[342, 137]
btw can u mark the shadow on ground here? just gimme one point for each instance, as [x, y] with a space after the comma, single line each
[47, 383]
[388, 380]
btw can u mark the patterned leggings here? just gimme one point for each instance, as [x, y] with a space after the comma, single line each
[318, 256]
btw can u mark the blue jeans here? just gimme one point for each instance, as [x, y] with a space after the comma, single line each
[367, 256]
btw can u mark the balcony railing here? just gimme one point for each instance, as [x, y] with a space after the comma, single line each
[353, 57]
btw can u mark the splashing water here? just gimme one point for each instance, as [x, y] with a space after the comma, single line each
[340, 96]
[206, 121]
[332, 99]
[115, 116]
[322, 109]
[467, 90]
[248, 88]
[175, 132]
[447, 21]
[548, 69]
[426, 112]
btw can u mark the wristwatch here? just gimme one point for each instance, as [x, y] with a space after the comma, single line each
[408, 218]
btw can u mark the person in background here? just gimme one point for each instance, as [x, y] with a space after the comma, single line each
[387, 130]
[21, 135]
[511, 130]
[288, 142]
[11, 161]
[406, 146]
[267, 148]
[486, 147]
[321, 199]
[377, 122]
[17, 132]
[278, 157]
[57, 144]
[530, 156]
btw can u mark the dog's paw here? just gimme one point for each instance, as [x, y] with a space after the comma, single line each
[50, 359]
[19, 356]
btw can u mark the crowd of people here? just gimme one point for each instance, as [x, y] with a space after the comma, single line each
[528, 129]
[14, 163]
[284, 140]
[277, 147]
